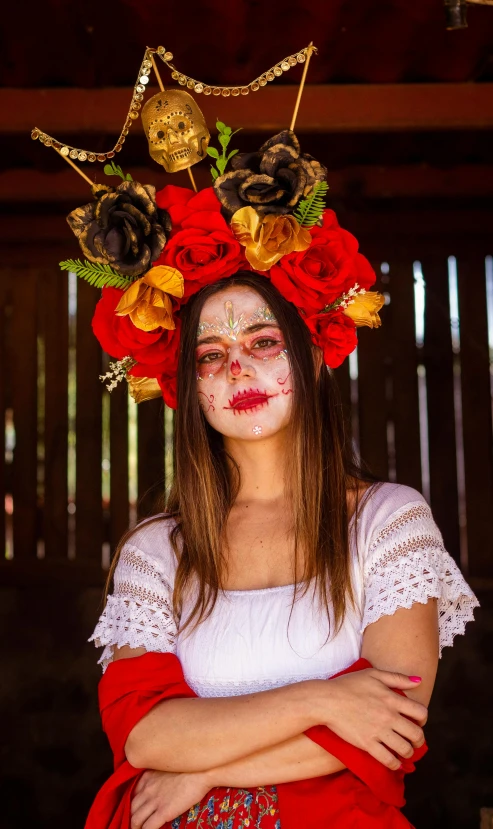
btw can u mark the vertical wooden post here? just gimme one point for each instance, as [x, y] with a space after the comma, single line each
[24, 396]
[3, 403]
[119, 503]
[405, 400]
[372, 391]
[88, 427]
[150, 464]
[54, 306]
[476, 410]
[438, 361]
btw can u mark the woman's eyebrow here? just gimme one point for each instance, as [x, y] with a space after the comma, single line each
[212, 339]
[258, 326]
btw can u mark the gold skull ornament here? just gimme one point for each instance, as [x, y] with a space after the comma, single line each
[175, 129]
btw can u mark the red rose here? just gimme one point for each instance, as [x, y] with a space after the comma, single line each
[314, 278]
[168, 388]
[202, 246]
[335, 334]
[176, 200]
[118, 336]
[166, 376]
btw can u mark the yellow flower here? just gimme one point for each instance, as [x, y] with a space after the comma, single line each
[143, 388]
[364, 309]
[267, 238]
[147, 300]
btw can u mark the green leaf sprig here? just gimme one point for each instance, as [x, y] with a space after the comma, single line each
[225, 136]
[309, 210]
[113, 169]
[97, 274]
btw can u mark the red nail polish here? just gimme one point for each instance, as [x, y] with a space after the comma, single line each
[415, 678]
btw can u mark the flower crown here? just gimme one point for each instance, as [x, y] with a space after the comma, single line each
[150, 252]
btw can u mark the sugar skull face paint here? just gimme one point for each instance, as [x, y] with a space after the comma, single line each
[243, 370]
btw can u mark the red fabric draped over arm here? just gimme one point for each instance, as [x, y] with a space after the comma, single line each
[368, 791]
[128, 690]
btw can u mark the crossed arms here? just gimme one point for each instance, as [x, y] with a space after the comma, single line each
[257, 739]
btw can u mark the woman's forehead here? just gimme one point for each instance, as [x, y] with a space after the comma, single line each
[241, 300]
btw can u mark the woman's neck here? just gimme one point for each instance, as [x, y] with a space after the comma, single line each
[262, 467]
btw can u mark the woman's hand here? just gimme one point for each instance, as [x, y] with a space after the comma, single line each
[362, 709]
[160, 796]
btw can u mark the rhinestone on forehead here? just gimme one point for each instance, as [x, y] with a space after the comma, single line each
[261, 314]
[230, 328]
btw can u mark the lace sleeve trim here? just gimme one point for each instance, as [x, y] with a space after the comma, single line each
[408, 563]
[139, 613]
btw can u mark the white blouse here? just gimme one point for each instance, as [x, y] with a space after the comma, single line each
[257, 639]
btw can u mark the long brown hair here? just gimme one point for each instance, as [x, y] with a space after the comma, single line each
[320, 470]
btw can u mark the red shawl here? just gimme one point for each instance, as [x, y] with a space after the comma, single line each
[367, 793]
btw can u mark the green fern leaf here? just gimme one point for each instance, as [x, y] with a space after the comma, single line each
[309, 210]
[98, 274]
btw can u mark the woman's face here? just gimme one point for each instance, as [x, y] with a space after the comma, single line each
[243, 374]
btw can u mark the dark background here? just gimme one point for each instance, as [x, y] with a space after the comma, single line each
[401, 112]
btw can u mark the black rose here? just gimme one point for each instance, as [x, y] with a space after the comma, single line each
[272, 180]
[123, 228]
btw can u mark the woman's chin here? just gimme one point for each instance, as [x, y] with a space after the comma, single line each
[252, 427]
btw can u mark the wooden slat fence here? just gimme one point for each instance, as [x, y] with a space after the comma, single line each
[421, 414]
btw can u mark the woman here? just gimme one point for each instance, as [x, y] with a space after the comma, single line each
[277, 564]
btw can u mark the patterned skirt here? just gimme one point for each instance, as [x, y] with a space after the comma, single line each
[228, 808]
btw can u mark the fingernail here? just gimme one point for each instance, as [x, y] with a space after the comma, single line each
[415, 678]
[400, 767]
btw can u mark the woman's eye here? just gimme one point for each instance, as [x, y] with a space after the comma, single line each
[266, 342]
[210, 357]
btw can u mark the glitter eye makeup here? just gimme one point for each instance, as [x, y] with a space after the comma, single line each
[261, 314]
[210, 360]
[231, 326]
[266, 345]
[227, 328]
[261, 339]
[209, 357]
[243, 364]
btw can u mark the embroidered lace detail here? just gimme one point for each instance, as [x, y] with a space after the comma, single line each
[408, 563]
[140, 611]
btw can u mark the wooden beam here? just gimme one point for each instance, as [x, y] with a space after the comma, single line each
[66, 113]
[53, 237]
[370, 182]
[46, 572]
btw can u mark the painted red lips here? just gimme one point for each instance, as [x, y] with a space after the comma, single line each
[248, 399]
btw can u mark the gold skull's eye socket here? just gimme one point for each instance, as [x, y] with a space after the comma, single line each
[158, 132]
[179, 122]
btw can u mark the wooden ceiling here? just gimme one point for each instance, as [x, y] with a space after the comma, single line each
[396, 106]
[98, 43]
